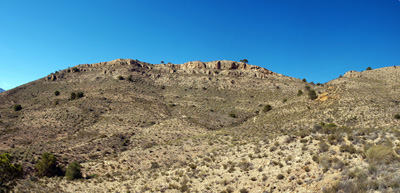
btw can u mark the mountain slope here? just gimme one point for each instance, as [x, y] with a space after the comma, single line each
[133, 114]
[1, 90]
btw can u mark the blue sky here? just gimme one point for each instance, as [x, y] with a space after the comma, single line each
[313, 39]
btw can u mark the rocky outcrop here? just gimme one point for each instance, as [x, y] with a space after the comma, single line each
[222, 67]
[214, 68]
[352, 74]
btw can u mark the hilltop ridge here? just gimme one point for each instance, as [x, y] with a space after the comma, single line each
[138, 122]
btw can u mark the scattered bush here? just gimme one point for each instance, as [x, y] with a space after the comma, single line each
[284, 100]
[57, 93]
[307, 87]
[79, 95]
[280, 177]
[304, 80]
[369, 68]
[73, 171]
[397, 116]
[76, 95]
[348, 148]
[233, 115]
[381, 154]
[154, 165]
[323, 147]
[17, 107]
[312, 94]
[47, 166]
[8, 171]
[120, 78]
[130, 79]
[73, 96]
[75, 69]
[267, 108]
[299, 93]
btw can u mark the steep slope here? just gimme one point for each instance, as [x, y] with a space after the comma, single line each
[1, 90]
[129, 118]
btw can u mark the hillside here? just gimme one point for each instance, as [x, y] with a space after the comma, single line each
[1, 90]
[202, 126]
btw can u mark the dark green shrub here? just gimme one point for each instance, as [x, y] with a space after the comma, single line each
[8, 171]
[312, 94]
[243, 190]
[280, 176]
[17, 107]
[57, 93]
[267, 108]
[369, 68]
[307, 87]
[75, 69]
[79, 95]
[47, 166]
[233, 115]
[120, 78]
[284, 100]
[73, 171]
[73, 96]
[155, 165]
[244, 61]
[130, 79]
[397, 116]
[299, 93]
[348, 148]
[304, 80]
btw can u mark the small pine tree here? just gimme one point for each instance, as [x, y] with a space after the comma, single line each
[47, 166]
[8, 171]
[244, 61]
[73, 171]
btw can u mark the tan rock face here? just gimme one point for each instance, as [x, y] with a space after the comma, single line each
[352, 74]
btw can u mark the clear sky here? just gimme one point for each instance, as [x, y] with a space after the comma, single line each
[313, 39]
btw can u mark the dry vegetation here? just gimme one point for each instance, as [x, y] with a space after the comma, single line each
[137, 127]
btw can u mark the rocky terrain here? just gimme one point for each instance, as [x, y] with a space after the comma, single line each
[220, 126]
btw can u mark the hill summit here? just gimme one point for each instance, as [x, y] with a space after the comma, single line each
[202, 126]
